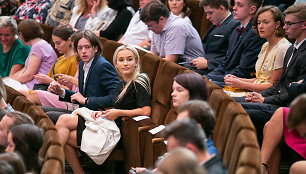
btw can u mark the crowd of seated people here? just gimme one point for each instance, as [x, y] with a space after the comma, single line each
[244, 49]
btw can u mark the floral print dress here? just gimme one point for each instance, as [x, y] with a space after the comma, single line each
[32, 10]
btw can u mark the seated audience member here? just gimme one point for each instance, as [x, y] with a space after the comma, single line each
[41, 56]
[26, 139]
[244, 45]
[180, 161]
[91, 15]
[10, 120]
[292, 131]
[268, 23]
[176, 7]
[137, 31]
[15, 161]
[97, 80]
[60, 12]
[281, 4]
[65, 65]
[216, 39]
[188, 86]
[203, 114]
[13, 52]
[179, 8]
[172, 39]
[261, 106]
[119, 25]
[8, 7]
[132, 99]
[33, 9]
[185, 133]
[3, 105]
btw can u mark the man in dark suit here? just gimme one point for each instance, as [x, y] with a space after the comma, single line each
[244, 45]
[262, 105]
[215, 40]
[97, 79]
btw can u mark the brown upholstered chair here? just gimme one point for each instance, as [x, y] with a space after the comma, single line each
[232, 110]
[36, 113]
[22, 104]
[108, 50]
[218, 101]
[245, 152]
[46, 124]
[161, 99]
[50, 138]
[52, 166]
[240, 123]
[11, 94]
[211, 87]
[56, 152]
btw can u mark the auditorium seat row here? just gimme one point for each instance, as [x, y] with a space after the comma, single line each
[234, 135]
[51, 151]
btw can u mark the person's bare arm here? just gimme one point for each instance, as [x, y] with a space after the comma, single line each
[15, 68]
[172, 57]
[28, 75]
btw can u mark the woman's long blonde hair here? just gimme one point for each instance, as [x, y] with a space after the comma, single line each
[136, 76]
[82, 4]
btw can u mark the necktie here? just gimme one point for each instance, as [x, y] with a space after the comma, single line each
[240, 30]
[293, 51]
[217, 25]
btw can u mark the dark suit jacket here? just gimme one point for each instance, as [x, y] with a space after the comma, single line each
[100, 84]
[215, 42]
[241, 55]
[278, 93]
[281, 4]
[296, 89]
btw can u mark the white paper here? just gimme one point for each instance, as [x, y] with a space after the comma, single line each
[138, 118]
[157, 129]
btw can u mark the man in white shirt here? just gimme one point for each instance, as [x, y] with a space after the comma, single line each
[137, 31]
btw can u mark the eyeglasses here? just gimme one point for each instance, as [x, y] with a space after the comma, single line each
[289, 24]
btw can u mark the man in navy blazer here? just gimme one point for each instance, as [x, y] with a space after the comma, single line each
[97, 79]
[262, 105]
[216, 39]
[100, 84]
[244, 45]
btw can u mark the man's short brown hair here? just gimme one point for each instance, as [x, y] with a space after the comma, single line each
[214, 3]
[298, 10]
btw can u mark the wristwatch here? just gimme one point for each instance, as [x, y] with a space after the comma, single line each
[86, 101]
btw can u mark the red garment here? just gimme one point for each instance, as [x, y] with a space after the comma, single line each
[293, 138]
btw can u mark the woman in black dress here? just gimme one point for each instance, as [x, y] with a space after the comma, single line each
[133, 92]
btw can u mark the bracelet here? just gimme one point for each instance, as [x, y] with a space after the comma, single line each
[86, 101]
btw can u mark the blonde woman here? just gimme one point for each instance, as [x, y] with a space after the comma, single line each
[91, 15]
[133, 92]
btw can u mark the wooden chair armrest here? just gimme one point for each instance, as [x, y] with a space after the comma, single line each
[157, 140]
[143, 128]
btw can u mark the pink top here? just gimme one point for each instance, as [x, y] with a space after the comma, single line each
[46, 53]
[293, 138]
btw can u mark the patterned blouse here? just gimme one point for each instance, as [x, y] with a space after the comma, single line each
[32, 10]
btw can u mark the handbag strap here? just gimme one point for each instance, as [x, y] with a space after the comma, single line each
[53, 70]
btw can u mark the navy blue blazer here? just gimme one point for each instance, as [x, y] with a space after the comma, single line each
[241, 55]
[215, 42]
[100, 85]
[296, 70]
